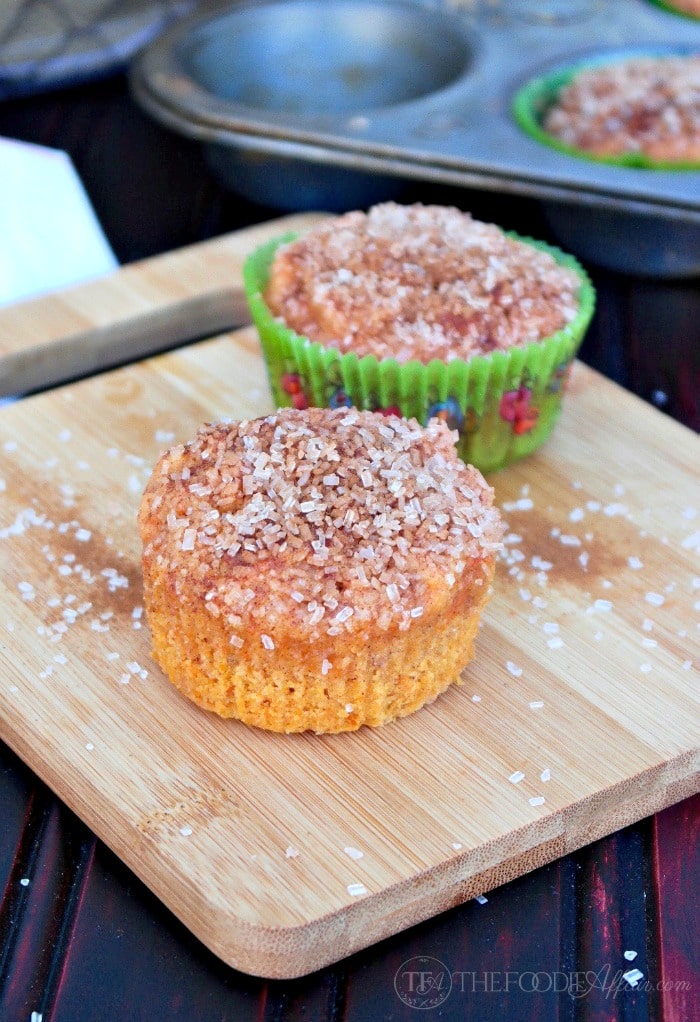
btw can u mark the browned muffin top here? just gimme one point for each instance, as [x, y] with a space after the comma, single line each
[318, 521]
[647, 105]
[419, 282]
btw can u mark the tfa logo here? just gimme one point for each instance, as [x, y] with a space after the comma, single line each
[423, 982]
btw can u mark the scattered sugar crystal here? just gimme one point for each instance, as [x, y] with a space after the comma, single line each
[546, 775]
[536, 800]
[291, 852]
[482, 899]
[25, 881]
[517, 777]
[633, 976]
[536, 704]
[456, 845]
[89, 746]
[186, 830]
[634, 563]
[577, 514]
[357, 890]
[645, 668]
[349, 707]
[550, 627]
[630, 955]
[513, 669]
[555, 643]
[603, 606]
[476, 699]
[655, 599]
[647, 625]
[267, 641]
[326, 666]
[354, 853]
[649, 643]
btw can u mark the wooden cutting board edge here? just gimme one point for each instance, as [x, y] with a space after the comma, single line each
[295, 951]
[140, 309]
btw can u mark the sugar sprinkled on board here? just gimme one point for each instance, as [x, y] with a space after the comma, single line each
[291, 852]
[354, 853]
[536, 800]
[546, 775]
[630, 955]
[481, 899]
[513, 669]
[516, 777]
[186, 830]
[655, 599]
[536, 704]
[356, 890]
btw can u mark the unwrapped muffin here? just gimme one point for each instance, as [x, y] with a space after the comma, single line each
[425, 312]
[316, 569]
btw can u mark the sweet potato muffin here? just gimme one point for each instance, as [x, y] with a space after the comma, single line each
[645, 105]
[423, 312]
[419, 282]
[318, 569]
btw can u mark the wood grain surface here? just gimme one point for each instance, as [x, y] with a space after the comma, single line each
[584, 682]
[140, 309]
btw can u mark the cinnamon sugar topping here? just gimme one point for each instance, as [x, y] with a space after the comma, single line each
[646, 105]
[419, 282]
[318, 521]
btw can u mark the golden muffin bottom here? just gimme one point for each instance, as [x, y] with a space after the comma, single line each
[371, 683]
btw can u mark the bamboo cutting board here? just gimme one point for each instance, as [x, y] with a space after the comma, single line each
[284, 853]
[140, 309]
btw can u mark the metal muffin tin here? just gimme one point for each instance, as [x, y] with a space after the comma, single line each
[315, 93]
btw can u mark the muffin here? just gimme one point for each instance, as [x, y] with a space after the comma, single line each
[316, 570]
[644, 110]
[691, 8]
[424, 312]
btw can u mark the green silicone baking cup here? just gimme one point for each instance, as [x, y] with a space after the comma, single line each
[503, 405]
[532, 101]
[675, 10]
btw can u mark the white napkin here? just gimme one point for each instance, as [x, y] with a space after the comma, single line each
[49, 234]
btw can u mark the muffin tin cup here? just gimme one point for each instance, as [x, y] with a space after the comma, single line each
[503, 406]
[531, 102]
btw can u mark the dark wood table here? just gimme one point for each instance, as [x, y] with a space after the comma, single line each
[81, 939]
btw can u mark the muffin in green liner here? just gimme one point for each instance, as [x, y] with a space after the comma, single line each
[533, 101]
[677, 8]
[503, 405]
